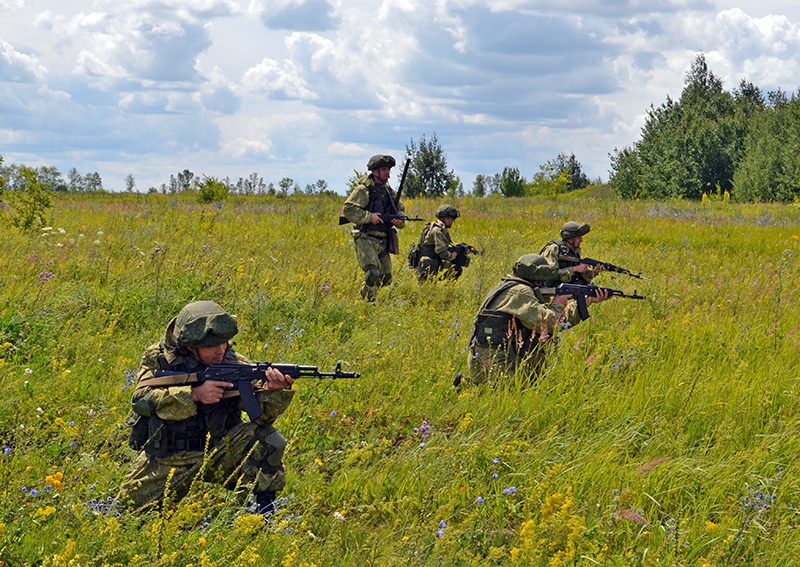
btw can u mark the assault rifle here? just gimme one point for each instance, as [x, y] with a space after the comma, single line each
[581, 292]
[386, 217]
[242, 376]
[594, 263]
[463, 251]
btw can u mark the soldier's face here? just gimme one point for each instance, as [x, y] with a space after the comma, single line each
[211, 355]
[574, 243]
[448, 221]
[381, 174]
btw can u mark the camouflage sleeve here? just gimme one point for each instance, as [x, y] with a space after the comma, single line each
[521, 302]
[355, 207]
[539, 316]
[441, 242]
[550, 253]
[274, 402]
[172, 403]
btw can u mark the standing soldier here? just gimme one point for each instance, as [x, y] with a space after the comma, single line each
[373, 235]
[565, 255]
[436, 254]
[515, 322]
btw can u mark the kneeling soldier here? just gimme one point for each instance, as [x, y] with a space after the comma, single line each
[437, 258]
[515, 322]
[189, 431]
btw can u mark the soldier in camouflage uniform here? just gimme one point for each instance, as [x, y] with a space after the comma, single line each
[436, 256]
[364, 206]
[515, 322]
[564, 255]
[188, 431]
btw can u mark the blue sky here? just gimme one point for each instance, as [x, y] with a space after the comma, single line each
[309, 89]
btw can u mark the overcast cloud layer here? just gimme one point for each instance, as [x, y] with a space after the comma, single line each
[309, 89]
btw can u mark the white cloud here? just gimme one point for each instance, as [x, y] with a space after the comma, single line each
[19, 67]
[280, 80]
[235, 85]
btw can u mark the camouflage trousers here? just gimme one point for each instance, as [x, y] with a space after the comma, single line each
[249, 454]
[374, 259]
[489, 364]
[430, 268]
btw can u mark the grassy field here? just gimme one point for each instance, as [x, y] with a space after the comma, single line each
[664, 432]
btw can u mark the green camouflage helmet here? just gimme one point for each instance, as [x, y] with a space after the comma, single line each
[534, 268]
[378, 161]
[573, 229]
[204, 324]
[447, 211]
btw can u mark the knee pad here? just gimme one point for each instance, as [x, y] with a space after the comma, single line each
[275, 443]
[372, 275]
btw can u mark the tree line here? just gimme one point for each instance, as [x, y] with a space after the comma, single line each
[741, 145]
[428, 176]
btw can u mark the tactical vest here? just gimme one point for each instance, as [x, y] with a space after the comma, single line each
[380, 201]
[500, 330]
[160, 437]
[564, 250]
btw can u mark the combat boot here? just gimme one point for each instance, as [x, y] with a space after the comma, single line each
[265, 502]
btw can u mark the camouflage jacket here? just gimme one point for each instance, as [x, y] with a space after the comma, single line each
[522, 302]
[175, 404]
[555, 248]
[368, 198]
[437, 241]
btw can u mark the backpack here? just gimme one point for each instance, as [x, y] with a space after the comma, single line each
[415, 252]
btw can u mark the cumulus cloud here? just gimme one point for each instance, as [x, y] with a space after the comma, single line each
[282, 82]
[19, 67]
[279, 80]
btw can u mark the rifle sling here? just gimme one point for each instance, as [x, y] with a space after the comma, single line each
[182, 380]
[173, 380]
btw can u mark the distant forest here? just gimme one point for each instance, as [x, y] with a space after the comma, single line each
[740, 145]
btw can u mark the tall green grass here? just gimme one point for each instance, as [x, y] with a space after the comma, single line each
[662, 432]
